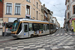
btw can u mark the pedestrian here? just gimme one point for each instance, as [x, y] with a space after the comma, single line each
[72, 30]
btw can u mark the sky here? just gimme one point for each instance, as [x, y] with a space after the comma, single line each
[58, 7]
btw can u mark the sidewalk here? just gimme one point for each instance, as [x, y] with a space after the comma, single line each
[0, 32]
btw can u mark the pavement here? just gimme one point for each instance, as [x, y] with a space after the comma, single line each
[60, 40]
[0, 32]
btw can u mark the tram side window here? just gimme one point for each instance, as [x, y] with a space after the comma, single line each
[25, 28]
[51, 26]
[48, 26]
[44, 27]
[41, 27]
[30, 27]
[35, 27]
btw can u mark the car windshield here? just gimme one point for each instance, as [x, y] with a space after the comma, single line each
[14, 26]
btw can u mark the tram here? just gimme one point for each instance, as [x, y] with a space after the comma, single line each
[23, 28]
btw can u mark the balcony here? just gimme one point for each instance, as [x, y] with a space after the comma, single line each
[46, 15]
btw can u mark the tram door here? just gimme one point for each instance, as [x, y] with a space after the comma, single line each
[25, 25]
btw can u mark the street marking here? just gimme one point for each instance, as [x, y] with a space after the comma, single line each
[41, 49]
[66, 47]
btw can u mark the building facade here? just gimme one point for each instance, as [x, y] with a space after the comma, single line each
[28, 9]
[56, 22]
[46, 14]
[70, 14]
[1, 12]
[51, 17]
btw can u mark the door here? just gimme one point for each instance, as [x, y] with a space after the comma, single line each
[25, 25]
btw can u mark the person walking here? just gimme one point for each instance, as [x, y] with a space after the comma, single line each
[72, 31]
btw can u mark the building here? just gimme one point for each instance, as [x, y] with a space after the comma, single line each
[64, 23]
[56, 22]
[27, 9]
[70, 14]
[46, 14]
[58, 25]
[1, 13]
[51, 17]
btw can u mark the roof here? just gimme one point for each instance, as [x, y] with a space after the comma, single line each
[34, 21]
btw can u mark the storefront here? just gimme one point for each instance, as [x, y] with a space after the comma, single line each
[73, 24]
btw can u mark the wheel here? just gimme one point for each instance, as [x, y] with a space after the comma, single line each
[32, 36]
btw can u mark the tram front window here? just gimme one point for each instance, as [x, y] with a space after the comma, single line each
[14, 26]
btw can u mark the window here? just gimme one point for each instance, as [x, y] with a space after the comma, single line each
[68, 0]
[68, 15]
[25, 28]
[41, 27]
[36, 4]
[9, 8]
[51, 26]
[45, 27]
[36, 15]
[30, 27]
[20, 28]
[17, 9]
[73, 0]
[68, 7]
[28, 10]
[28, 0]
[48, 26]
[35, 27]
[74, 9]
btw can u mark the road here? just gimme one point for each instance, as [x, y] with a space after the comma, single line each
[60, 40]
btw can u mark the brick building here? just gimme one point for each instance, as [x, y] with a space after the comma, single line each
[1, 13]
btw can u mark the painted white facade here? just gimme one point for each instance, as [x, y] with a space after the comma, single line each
[56, 22]
[70, 10]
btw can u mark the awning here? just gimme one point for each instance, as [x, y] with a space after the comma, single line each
[73, 19]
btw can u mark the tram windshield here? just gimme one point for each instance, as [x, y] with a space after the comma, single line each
[14, 26]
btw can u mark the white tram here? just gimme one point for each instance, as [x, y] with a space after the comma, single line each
[23, 28]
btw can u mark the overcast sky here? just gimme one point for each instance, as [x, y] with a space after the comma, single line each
[58, 8]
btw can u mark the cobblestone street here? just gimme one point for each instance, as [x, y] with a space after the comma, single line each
[58, 40]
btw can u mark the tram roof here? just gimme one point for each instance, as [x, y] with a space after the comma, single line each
[30, 20]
